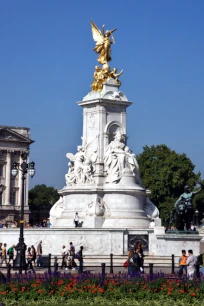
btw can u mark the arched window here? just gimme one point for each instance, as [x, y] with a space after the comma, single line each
[113, 128]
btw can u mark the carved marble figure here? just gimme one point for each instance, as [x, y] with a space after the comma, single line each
[56, 210]
[81, 167]
[118, 159]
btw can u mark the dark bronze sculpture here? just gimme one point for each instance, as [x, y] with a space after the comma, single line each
[183, 211]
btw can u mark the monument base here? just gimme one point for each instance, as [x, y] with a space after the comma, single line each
[163, 244]
[105, 241]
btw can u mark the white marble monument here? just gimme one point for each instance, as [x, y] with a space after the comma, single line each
[103, 181]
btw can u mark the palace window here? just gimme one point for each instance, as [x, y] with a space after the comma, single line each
[13, 197]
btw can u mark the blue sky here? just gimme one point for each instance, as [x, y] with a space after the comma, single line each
[47, 63]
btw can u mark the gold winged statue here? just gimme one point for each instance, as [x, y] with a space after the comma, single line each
[103, 43]
[103, 47]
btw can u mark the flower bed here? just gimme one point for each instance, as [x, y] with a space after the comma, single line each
[95, 290]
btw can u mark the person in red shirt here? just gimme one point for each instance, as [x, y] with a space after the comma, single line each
[182, 263]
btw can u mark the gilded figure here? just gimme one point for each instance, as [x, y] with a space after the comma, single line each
[103, 43]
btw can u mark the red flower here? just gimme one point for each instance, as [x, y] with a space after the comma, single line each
[3, 292]
[181, 291]
[193, 294]
[40, 291]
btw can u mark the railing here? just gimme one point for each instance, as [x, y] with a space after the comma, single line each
[54, 264]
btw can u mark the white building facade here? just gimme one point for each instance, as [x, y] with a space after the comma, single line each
[13, 142]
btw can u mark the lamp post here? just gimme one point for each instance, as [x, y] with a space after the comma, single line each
[24, 167]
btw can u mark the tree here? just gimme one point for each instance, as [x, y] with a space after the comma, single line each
[165, 173]
[42, 197]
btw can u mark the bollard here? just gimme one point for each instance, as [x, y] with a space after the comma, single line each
[56, 267]
[111, 263]
[49, 263]
[103, 269]
[172, 264]
[151, 270]
[8, 276]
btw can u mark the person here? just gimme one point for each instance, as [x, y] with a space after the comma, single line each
[48, 223]
[64, 257]
[33, 252]
[80, 258]
[193, 227]
[182, 262]
[72, 247]
[69, 260]
[130, 262]
[72, 254]
[0, 253]
[152, 223]
[4, 254]
[201, 262]
[76, 219]
[29, 258]
[137, 259]
[141, 255]
[191, 264]
[10, 253]
[39, 254]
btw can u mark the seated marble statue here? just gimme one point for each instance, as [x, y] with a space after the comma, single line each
[115, 159]
[118, 159]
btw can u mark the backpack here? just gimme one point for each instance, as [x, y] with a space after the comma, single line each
[77, 255]
[10, 252]
[0, 251]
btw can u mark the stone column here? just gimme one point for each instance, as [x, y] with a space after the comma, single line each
[8, 178]
[20, 183]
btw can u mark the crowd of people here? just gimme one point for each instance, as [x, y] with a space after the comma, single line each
[33, 256]
[187, 264]
[44, 223]
[135, 261]
[69, 257]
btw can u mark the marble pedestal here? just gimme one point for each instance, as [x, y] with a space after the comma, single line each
[105, 241]
[108, 206]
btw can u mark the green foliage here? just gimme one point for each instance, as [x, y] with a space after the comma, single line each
[165, 173]
[101, 301]
[42, 197]
[92, 291]
[199, 203]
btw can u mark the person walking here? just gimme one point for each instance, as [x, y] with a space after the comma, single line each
[33, 252]
[80, 258]
[39, 254]
[130, 262]
[141, 255]
[76, 219]
[29, 258]
[182, 263]
[72, 247]
[0, 254]
[4, 254]
[64, 257]
[191, 265]
[10, 253]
